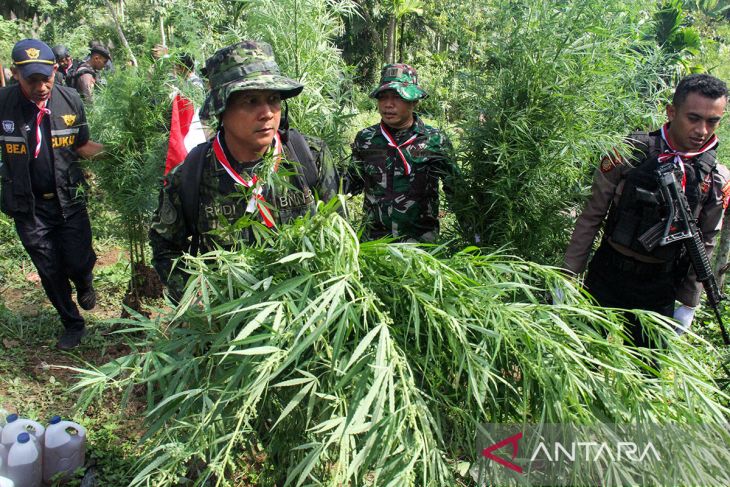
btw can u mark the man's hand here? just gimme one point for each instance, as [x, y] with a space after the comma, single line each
[90, 149]
[558, 294]
[684, 315]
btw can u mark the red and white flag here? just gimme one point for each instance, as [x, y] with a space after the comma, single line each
[186, 131]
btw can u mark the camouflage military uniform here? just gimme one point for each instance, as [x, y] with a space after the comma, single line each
[398, 166]
[199, 194]
[399, 204]
[221, 199]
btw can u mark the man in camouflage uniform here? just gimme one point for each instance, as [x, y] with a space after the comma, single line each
[623, 273]
[399, 161]
[254, 165]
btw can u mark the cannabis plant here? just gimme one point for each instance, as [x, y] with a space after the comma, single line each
[374, 363]
[560, 87]
[131, 116]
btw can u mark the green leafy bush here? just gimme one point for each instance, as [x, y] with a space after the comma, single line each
[561, 86]
[130, 116]
[374, 363]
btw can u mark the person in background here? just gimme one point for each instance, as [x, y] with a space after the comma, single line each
[66, 65]
[399, 161]
[89, 73]
[185, 69]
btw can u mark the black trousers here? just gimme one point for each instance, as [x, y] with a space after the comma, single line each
[62, 253]
[617, 281]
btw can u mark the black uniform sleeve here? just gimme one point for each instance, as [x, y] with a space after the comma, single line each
[83, 136]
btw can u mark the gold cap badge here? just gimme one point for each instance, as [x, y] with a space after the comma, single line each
[33, 53]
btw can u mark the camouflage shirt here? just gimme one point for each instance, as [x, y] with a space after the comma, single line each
[398, 204]
[292, 192]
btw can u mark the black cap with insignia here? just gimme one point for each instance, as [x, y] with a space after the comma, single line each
[32, 56]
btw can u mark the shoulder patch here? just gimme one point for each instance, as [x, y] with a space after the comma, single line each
[168, 213]
[610, 161]
[726, 195]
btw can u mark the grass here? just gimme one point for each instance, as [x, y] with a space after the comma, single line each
[33, 379]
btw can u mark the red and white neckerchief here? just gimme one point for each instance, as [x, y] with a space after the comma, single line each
[42, 110]
[257, 201]
[397, 147]
[679, 157]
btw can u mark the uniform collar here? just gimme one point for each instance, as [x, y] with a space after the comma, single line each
[418, 127]
[235, 163]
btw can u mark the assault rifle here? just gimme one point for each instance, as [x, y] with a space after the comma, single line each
[679, 225]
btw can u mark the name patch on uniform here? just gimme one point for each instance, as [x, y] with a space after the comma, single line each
[65, 141]
[296, 198]
[68, 119]
[16, 149]
[8, 126]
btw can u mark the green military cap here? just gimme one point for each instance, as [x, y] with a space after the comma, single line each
[247, 65]
[403, 79]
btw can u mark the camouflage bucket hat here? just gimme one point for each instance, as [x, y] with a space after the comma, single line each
[403, 79]
[247, 65]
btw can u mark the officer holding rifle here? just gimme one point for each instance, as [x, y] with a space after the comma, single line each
[645, 258]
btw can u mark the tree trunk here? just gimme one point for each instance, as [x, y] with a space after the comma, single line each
[121, 32]
[390, 41]
[162, 31]
[721, 253]
[401, 42]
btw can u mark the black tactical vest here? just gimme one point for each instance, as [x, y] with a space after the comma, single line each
[67, 120]
[640, 206]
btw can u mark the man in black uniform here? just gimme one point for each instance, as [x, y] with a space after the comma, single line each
[88, 74]
[66, 65]
[623, 273]
[233, 173]
[44, 131]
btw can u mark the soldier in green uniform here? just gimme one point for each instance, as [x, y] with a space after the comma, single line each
[254, 164]
[398, 162]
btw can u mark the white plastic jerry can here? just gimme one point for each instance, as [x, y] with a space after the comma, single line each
[8, 420]
[24, 462]
[18, 425]
[65, 448]
[3, 459]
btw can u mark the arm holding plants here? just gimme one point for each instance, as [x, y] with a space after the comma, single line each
[83, 145]
[353, 183]
[90, 149]
[454, 184]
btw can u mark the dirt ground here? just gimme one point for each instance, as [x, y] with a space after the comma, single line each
[36, 378]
